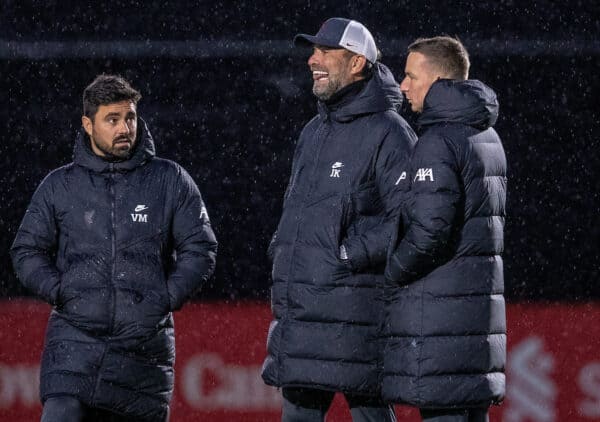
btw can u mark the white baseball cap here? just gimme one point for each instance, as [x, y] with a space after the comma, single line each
[342, 33]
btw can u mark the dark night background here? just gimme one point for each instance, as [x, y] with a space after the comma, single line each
[226, 94]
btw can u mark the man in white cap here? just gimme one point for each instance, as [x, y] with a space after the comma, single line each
[342, 203]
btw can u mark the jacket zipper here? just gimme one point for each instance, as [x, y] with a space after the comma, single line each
[112, 289]
[113, 249]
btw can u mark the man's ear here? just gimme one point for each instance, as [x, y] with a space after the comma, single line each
[87, 124]
[358, 64]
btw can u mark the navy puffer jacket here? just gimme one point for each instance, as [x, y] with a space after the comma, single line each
[446, 324]
[115, 247]
[346, 184]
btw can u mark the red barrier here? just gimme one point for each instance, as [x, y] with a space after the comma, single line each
[553, 367]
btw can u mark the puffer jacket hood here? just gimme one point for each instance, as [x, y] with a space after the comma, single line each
[143, 151]
[381, 93]
[469, 102]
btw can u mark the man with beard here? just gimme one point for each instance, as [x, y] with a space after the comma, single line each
[346, 187]
[115, 241]
[446, 325]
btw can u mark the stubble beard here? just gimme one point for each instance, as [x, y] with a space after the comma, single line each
[325, 93]
[114, 153]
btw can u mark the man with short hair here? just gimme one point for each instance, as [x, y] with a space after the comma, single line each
[115, 241]
[341, 205]
[446, 325]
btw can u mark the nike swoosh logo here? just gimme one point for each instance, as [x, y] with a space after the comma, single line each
[140, 208]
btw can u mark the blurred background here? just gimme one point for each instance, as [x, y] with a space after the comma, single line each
[225, 94]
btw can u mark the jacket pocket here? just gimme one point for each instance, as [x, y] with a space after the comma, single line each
[159, 297]
[340, 270]
[144, 307]
[84, 307]
[165, 288]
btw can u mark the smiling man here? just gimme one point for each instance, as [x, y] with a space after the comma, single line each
[115, 241]
[347, 185]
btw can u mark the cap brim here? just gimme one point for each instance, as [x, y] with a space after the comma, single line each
[304, 40]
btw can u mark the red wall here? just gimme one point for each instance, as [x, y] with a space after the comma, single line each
[553, 367]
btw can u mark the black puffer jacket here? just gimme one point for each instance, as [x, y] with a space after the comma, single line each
[446, 316]
[345, 185]
[115, 247]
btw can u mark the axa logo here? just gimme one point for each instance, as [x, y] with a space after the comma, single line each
[336, 168]
[137, 217]
[423, 174]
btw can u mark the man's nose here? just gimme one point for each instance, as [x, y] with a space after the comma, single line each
[124, 127]
[404, 85]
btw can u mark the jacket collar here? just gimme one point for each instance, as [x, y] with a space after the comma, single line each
[469, 102]
[379, 93]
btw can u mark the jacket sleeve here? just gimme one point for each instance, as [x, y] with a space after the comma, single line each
[194, 242]
[391, 169]
[34, 248]
[434, 198]
[290, 185]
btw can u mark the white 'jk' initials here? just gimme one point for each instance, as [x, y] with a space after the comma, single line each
[335, 169]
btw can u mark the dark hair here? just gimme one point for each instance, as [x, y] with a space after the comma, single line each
[446, 54]
[107, 89]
